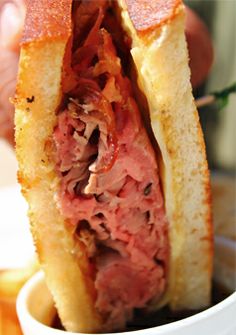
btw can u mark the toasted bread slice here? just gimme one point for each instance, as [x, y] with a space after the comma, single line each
[47, 32]
[160, 55]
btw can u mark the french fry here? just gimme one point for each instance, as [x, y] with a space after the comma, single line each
[11, 281]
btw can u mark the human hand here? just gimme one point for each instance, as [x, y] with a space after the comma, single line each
[12, 13]
[200, 47]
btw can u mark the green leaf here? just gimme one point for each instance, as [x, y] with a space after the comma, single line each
[222, 97]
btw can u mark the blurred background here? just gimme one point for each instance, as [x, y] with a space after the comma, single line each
[219, 126]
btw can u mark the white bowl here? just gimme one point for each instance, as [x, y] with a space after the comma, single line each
[35, 312]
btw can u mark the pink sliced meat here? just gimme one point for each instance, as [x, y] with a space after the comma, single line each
[110, 187]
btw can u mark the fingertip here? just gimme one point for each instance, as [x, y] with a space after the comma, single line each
[12, 16]
[200, 47]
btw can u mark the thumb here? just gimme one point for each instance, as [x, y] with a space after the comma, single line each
[12, 14]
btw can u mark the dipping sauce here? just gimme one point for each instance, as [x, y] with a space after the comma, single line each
[164, 315]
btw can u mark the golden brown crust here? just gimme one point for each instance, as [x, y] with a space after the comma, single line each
[147, 15]
[209, 218]
[47, 19]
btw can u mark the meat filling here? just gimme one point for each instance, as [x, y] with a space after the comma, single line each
[110, 188]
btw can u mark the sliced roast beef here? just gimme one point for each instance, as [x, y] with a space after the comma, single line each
[110, 187]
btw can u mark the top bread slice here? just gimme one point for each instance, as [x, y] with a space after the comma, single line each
[160, 55]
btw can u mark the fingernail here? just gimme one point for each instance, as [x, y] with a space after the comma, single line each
[10, 23]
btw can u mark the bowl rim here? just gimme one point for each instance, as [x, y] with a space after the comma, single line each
[36, 279]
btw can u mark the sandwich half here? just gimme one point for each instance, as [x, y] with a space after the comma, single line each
[112, 160]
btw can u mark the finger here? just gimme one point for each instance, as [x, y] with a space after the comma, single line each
[12, 14]
[8, 71]
[200, 47]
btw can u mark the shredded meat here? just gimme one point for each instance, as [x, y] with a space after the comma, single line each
[109, 175]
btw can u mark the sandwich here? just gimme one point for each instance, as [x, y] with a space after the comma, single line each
[112, 160]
